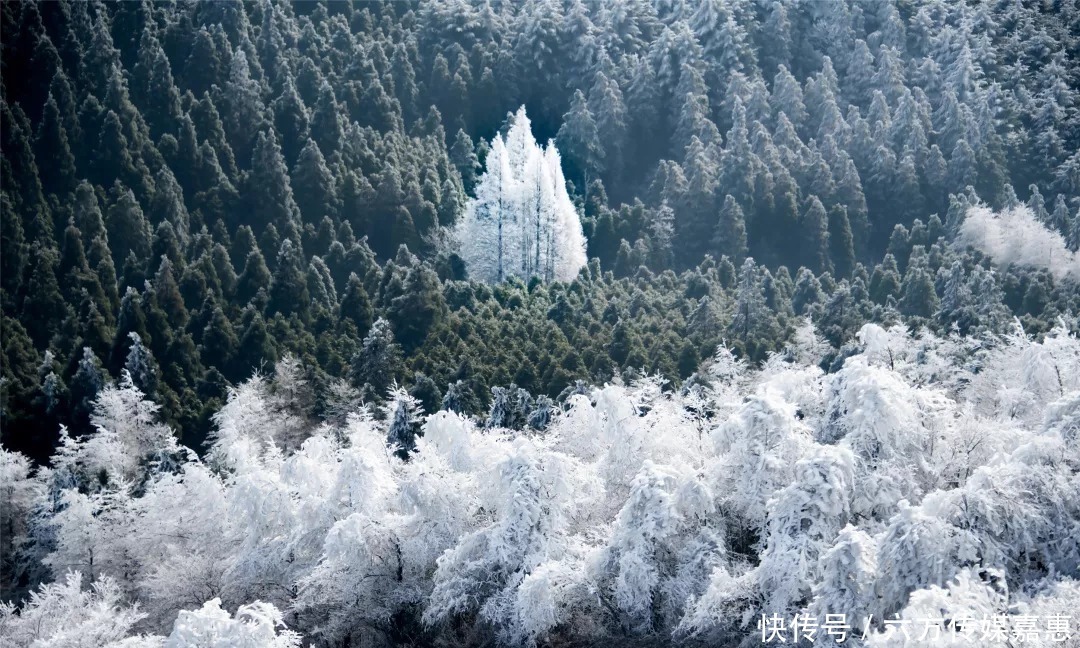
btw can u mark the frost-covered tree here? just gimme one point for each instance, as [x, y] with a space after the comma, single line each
[68, 615]
[404, 414]
[378, 362]
[521, 222]
[803, 521]
[1015, 236]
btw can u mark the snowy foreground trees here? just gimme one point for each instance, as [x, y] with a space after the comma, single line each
[925, 478]
[521, 222]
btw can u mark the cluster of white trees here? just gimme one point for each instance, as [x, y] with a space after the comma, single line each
[1016, 236]
[522, 222]
[927, 478]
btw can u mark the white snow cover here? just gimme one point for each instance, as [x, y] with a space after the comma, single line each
[913, 481]
[1015, 236]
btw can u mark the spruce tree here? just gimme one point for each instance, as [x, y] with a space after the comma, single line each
[288, 288]
[579, 139]
[378, 363]
[730, 236]
[815, 226]
[841, 241]
[315, 185]
[270, 190]
[356, 306]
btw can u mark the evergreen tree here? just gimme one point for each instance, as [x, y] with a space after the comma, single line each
[403, 412]
[315, 186]
[579, 138]
[730, 236]
[269, 189]
[59, 176]
[815, 224]
[885, 281]
[86, 383]
[218, 343]
[463, 155]
[378, 363]
[752, 322]
[141, 366]
[128, 230]
[356, 306]
[918, 297]
[841, 241]
[288, 288]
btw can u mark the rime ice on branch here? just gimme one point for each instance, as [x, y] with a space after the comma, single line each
[521, 223]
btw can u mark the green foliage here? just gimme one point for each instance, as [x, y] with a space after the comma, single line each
[229, 193]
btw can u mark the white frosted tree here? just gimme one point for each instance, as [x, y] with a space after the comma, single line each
[962, 606]
[521, 222]
[804, 520]
[256, 624]
[128, 433]
[1015, 236]
[760, 444]
[848, 576]
[69, 614]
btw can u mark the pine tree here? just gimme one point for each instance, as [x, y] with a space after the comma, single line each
[326, 126]
[219, 344]
[463, 155]
[86, 383]
[315, 185]
[167, 296]
[918, 297]
[59, 176]
[752, 323]
[153, 87]
[255, 277]
[288, 288]
[579, 137]
[128, 230]
[841, 243]
[807, 292]
[378, 363]
[270, 191]
[291, 120]
[403, 412]
[730, 236]
[244, 117]
[44, 304]
[521, 222]
[141, 366]
[885, 281]
[257, 349]
[609, 108]
[815, 224]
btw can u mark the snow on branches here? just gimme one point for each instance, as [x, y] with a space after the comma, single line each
[922, 474]
[521, 223]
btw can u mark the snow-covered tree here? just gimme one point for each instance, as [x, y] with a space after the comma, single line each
[255, 624]
[803, 521]
[1016, 236]
[67, 614]
[521, 222]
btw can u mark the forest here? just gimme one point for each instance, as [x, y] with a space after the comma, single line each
[541, 323]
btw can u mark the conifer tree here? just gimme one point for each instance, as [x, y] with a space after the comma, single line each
[315, 185]
[815, 224]
[288, 288]
[730, 236]
[841, 241]
[579, 137]
[141, 366]
[270, 191]
[378, 363]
